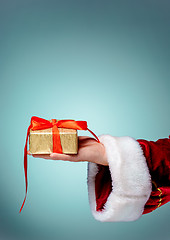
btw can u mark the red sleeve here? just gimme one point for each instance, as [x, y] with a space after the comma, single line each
[157, 155]
[103, 186]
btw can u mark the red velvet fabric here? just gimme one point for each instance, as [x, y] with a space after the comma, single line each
[103, 186]
[158, 159]
[157, 155]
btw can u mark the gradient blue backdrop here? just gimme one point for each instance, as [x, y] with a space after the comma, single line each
[107, 62]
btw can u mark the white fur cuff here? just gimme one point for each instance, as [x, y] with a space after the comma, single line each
[131, 180]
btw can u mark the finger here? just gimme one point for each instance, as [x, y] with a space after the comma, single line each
[28, 152]
[55, 156]
[46, 156]
[64, 157]
[58, 156]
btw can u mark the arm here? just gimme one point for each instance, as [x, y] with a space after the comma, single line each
[136, 182]
[121, 195]
[157, 155]
[126, 178]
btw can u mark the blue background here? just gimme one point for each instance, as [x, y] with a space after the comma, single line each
[106, 62]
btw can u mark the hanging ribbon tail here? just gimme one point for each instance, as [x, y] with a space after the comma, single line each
[94, 135]
[25, 167]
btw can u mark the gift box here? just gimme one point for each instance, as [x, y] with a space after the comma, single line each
[52, 136]
[41, 141]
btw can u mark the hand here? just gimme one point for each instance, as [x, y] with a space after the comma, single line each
[89, 150]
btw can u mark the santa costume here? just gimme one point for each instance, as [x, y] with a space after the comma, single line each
[136, 182]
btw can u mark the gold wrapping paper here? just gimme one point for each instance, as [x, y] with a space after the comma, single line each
[41, 141]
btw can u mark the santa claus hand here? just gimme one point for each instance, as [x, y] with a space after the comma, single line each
[89, 150]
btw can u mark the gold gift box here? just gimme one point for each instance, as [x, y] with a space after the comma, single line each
[41, 141]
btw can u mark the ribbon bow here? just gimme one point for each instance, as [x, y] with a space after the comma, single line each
[39, 124]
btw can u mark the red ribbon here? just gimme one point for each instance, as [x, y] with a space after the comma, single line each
[39, 124]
